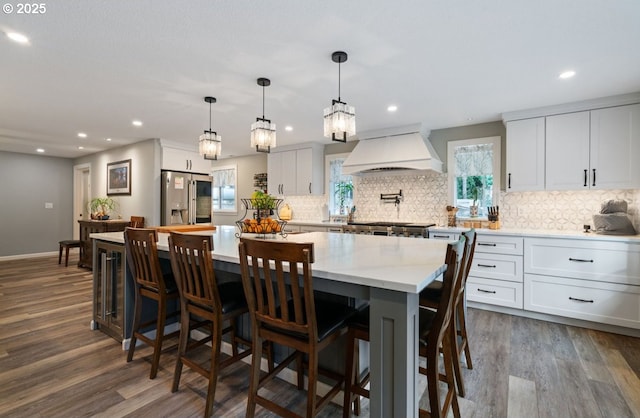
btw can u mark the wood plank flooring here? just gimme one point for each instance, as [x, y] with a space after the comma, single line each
[53, 365]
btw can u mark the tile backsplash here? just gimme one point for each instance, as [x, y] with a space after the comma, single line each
[425, 199]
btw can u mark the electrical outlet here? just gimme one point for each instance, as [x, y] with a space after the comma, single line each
[48, 205]
[521, 211]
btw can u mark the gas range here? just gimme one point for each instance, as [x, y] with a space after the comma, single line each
[407, 229]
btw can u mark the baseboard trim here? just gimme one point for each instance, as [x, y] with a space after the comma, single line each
[23, 256]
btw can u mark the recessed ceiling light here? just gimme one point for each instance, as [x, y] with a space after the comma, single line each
[567, 74]
[82, 135]
[80, 147]
[40, 150]
[18, 37]
[392, 108]
[108, 139]
[288, 128]
[137, 123]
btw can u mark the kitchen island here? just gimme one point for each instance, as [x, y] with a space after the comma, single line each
[389, 272]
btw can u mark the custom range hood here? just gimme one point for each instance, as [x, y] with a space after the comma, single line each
[392, 149]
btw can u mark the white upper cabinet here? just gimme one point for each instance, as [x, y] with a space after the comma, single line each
[296, 171]
[615, 147]
[598, 149]
[567, 151]
[178, 159]
[525, 154]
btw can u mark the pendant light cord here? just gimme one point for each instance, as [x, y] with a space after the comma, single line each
[263, 102]
[339, 64]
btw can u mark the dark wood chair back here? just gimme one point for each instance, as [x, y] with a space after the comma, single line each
[267, 271]
[136, 222]
[192, 267]
[142, 257]
[450, 283]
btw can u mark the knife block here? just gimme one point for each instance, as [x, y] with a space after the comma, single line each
[494, 225]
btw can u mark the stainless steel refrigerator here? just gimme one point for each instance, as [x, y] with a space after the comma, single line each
[186, 198]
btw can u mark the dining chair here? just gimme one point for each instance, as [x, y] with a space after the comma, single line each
[136, 222]
[150, 283]
[433, 337]
[205, 305]
[430, 298]
[278, 283]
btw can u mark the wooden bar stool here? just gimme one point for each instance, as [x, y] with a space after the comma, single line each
[208, 306]
[284, 310]
[151, 283]
[433, 337]
[66, 244]
[430, 298]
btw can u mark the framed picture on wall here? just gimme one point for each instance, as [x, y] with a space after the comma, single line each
[119, 178]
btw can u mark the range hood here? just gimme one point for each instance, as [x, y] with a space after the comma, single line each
[393, 149]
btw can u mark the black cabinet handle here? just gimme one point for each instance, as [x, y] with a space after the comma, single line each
[309, 188]
[594, 177]
[580, 300]
[585, 177]
[486, 291]
[441, 236]
[487, 244]
[486, 265]
[509, 184]
[580, 260]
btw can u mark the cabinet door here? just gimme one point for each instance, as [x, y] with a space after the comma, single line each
[274, 173]
[175, 159]
[304, 171]
[615, 148]
[199, 164]
[567, 151]
[525, 154]
[109, 289]
[289, 174]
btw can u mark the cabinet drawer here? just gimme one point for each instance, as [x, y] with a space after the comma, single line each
[499, 245]
[497, 266]
[449, 236]
[494, 292]
[583, 299]
[614, 262]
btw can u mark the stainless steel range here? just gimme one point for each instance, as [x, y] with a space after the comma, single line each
[407, 229]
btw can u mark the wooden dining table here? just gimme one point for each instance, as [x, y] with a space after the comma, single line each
[388, 272]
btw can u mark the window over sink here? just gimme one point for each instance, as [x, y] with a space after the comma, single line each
[339, 187]
[224, 189]
[474, 174]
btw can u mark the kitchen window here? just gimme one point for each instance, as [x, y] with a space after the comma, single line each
[339, 186]
[224, 189]
[474, 174]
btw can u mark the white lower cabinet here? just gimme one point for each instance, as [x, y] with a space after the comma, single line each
[603, 302]
[583, 279]
[496, 271]
[494, 292]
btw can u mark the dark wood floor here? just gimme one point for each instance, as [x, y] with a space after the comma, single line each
[53, 365]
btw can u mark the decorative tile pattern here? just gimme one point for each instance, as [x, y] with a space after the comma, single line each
[425, 199]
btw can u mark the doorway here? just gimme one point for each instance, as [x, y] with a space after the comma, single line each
[81, 195]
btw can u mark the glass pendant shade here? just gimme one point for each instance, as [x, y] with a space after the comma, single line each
[339, 118]
[210, 145]
[339, 121]
[263, 132]
[263, 135]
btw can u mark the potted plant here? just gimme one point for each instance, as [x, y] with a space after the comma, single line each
[473, 209]
[344, 189]
[264, 202]
[100, 207]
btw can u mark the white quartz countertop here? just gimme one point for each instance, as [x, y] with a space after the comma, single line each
[542, 233]
[315, 223]
[393, 263]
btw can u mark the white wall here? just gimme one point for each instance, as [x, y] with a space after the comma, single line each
[145, 179]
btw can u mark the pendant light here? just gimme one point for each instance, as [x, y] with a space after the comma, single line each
[339, 118]
[210, 142]
[263, 132]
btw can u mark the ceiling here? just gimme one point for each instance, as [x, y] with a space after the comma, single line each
[93, 66]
